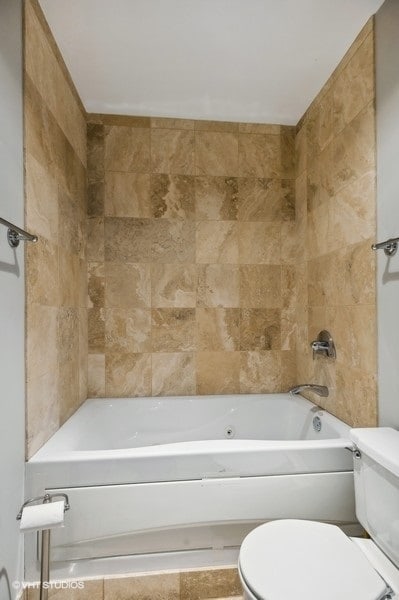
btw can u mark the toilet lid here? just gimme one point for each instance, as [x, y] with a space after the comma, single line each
[304, 560]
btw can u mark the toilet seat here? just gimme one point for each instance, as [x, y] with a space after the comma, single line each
[304, 560]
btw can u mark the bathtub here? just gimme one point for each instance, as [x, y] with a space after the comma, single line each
[148, 476]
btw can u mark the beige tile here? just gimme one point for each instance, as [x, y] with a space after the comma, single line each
[96, 375]
[289, 376]
[95, 199]
[168, 123]
[259, 243]
[128, 240]
[173, 285]
[68, 279]
[218, 286]
[260, 199]
[216, 198]
[260, 329]
[173, 329]
[95, 152]
[288, 199]
[96, 284]
[264, 128]
[260, 372]
[173, 241]
[95, 239]
[218, 372]
[355, 275]
[172, 196]
[42, 273]
[173, 373]
[216, 126]
[216, 153]
[172, 151]
[70, 236]
[127, 149]
[260, 156]
[209, 583]
[68, 362]
[127, 195]
[260, 286]
[127, 285]
[352, 213]
[42, 398]
[127, 330]
[217, 242]
[165, 586]
[218, 328]
[357, 397]
[40, 200]
[354, 86]
[121, 120]
[127, 374]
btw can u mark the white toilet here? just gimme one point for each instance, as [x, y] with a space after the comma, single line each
[304, 560]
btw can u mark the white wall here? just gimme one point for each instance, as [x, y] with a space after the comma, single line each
[387, 72]
[12, 405]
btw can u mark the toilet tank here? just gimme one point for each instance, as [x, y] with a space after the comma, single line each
[376, 471]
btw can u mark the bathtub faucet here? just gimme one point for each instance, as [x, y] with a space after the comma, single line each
[320, 390]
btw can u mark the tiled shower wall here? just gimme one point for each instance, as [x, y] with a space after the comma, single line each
[191, 257]
[336, 204]
[56, 285]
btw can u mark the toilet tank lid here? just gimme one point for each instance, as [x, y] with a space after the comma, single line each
[381, 444]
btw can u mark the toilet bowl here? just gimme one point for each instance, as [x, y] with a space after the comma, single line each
[304, 560]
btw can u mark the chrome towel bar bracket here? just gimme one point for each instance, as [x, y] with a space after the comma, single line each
[16, 234]
[389, 246]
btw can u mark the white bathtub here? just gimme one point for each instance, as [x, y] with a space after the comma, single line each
[183, 474]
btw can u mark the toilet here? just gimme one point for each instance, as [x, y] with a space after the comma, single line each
[303, 560]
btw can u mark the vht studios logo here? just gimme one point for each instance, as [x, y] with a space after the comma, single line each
[49, 585]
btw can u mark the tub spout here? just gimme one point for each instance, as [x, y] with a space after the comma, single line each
[320, 390]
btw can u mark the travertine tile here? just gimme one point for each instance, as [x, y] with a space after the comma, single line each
[216, 242]
[40, 200]
[260, 372]
[218, 328]
[173, 241]
[127, 330]
[173, 373]
[216, 126]
[95, 239]
[96, 375]
[168, 123]
[127, 149]
[216, 153]
[68, 279]
[172, 151]
[354, 86]
[96, 284]
[42, 273]
[127, 195]
[127, 374]
[264, 128]
[259, 243]
[260, 199]
[173, 330]
[260, 286]
[172, 196]
[260, 156]
[260, 329]
[173, 285]
[128, 240]
[209, 583]
[216, 198]
[218, 372]
[165, 586]
[95, 152]
[68, 361]
[127, 285]
[218, 286]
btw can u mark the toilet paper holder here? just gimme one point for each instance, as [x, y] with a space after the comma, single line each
[43, 500]
[45, 555]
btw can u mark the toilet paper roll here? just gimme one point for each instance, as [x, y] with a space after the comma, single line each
[42, 516]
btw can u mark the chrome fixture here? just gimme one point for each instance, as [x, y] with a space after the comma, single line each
[16, 234]
[389, 246]
[320, 390]
[324, 345]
